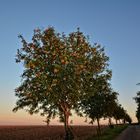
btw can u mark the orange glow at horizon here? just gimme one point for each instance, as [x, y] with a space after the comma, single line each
[23, 118]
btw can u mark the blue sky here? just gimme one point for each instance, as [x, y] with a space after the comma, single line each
[115, 24]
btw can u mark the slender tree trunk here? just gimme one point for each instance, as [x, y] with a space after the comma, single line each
[68, 131]
[138, 120]
[110, 121]
[99, 128]
[119, 121]
[66, 112]
[66, 124]
[124, 121]
[116, 121]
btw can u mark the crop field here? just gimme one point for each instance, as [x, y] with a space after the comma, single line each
[45, 132]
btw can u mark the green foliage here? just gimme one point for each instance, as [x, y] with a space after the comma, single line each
[127, 118]
[111, 100]
[93, 106]
[99, 90]
[137, 100]
[58, 72]
[121, 114]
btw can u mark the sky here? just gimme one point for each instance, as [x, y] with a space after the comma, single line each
[115, 24]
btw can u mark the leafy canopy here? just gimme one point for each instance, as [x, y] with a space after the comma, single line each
[137, 100]
[58, 69]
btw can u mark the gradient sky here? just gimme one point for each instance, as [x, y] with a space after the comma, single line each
[115, 24]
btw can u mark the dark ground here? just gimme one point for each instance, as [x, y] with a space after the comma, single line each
[45, 132]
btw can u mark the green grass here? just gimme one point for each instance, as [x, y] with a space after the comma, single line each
[110, 133]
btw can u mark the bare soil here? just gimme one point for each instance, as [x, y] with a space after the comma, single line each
[45, 132]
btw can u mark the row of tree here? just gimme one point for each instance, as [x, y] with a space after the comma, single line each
[137, 99]
[105, 105]
[64, 73]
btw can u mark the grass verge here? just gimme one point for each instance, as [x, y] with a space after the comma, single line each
[110, 133]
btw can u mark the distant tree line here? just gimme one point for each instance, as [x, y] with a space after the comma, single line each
[64, 73]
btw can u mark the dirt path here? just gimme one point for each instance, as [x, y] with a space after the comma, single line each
[131, 133]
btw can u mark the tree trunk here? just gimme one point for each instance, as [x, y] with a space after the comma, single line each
[68, 131]
[66, 112]
[110, 121]
[99, 128]
[116, 121]
[119, 121]
[124, 121]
